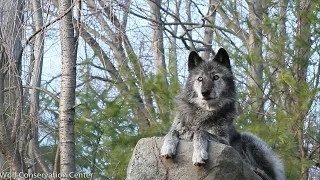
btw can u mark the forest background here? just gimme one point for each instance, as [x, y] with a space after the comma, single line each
[82, 81]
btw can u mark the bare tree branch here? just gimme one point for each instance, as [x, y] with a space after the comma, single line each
[46, 26]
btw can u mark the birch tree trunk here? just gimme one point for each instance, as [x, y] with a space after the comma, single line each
[208, 32]
[68, 85]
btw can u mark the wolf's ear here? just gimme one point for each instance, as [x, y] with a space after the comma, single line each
[194, 60]
[222, 58]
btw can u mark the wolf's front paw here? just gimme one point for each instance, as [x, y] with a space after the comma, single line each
[168, 150]
[199, 156]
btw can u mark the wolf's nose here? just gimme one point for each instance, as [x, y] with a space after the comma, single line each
[205, 93]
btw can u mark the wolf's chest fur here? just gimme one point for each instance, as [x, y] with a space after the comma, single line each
[193, 118]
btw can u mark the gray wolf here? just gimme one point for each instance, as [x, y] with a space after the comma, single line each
[206, 111]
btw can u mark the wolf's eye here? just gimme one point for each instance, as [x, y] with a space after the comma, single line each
[215, 77]
[200, 78]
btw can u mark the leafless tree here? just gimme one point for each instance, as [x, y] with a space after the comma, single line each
[10, 86]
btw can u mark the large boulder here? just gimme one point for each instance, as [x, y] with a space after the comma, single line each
[224, 163]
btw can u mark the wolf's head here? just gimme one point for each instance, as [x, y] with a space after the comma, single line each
[210, 84]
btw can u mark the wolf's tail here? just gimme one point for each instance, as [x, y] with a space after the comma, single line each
[260, 155]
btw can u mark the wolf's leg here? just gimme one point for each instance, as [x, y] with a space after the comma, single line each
[261, 173]
[215, 138]
[170, 143]
[200, 146]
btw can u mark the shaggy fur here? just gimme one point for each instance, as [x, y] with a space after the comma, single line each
[205, 111]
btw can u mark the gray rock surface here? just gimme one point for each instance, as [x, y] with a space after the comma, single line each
[224, 163]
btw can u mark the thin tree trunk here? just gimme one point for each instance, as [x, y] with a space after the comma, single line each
[173, 66]
[255, 58]
[56, 164]
[36, 79]
[300, 66]
[208, 31]
[11, 101]
[284, 100]
[67, 96]
[157, 40]
[276, 60]
[188, 13]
